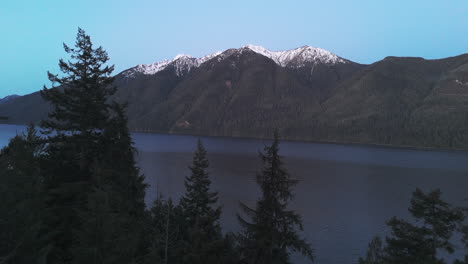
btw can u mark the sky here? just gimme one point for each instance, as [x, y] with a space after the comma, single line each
[144, 31]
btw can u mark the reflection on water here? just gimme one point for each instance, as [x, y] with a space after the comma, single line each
[345, 192]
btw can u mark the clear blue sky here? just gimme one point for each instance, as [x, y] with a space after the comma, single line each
[144, 31]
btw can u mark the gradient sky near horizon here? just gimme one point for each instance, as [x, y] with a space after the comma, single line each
[144, 31]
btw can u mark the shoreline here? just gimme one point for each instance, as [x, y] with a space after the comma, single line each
[325, 142]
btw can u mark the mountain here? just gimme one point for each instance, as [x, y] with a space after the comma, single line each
[239, 92]
[8, 98]
[307, 93]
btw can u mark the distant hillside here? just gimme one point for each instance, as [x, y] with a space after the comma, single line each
[307, 93]
[24, 109]
[402, 101]
[8, 98]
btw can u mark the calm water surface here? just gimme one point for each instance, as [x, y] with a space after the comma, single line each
[345, 192]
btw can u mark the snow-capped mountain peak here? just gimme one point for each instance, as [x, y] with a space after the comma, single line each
[178, 56]
[260, 50]
[297, 57]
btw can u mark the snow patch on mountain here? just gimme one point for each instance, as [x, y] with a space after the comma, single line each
[148, 68]
[208, 57]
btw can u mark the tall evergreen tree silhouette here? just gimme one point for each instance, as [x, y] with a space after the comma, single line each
[204, 241]
[271, 233]
[94, 192]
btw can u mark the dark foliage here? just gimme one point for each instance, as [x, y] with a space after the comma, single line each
[22, 198]
[419, 242]
[166, 234]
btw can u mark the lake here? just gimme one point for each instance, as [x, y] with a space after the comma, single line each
[345, 193]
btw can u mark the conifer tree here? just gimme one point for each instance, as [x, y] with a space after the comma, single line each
[94, 205]
[419, 242]
[80, 111]
[436, 222]
[203, 239]
[408, 243]
[80, 101]
[271, 233]
[438, 216]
